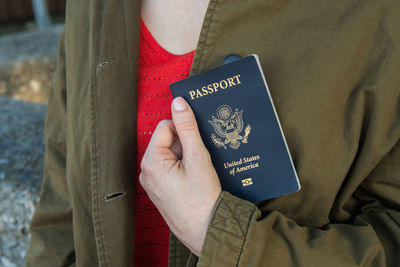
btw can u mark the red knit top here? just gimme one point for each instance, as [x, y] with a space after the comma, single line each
[157, 69]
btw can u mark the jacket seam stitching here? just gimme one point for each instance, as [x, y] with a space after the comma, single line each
[245, 237]
[125, 37]
[234, 217]
[96, 209]
[98, 225]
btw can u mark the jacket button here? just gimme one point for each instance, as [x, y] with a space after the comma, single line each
[230, 58]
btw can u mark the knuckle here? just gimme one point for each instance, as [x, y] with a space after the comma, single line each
[164, 123]
[141, 179]
[186, 126]
[145, 165]
[147, 181]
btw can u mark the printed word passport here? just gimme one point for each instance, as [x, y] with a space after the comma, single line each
[240, 128]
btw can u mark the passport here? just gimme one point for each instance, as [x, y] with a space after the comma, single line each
[239, 126]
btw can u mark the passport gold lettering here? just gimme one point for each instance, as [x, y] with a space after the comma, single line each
[232, 164]
[210, 89]
[245, 160]
[204, 90]
[223, 84]
[237, 165]
[213, 87]
[247, 167]
[237, 78]
[230, 81]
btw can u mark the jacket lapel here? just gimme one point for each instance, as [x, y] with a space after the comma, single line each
[114, 57]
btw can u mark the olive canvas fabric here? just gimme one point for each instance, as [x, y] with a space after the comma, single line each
[333, 72]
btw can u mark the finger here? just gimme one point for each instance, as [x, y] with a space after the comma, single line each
[162, 138]
[186, 126]
[159, 148]
[176, 146]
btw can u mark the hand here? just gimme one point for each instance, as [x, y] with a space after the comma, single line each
[179, 177]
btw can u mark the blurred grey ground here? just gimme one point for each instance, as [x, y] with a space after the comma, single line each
[21, 46]
[27, 63]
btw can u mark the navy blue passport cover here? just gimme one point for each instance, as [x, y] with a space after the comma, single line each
[240, 128]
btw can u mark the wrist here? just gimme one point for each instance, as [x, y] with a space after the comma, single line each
[195, 229]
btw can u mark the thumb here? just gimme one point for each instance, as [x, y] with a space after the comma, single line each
[186, 127]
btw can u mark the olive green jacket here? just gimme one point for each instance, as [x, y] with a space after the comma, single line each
[333, 68]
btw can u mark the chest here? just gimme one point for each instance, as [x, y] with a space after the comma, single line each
[318, 66]
[175, 24]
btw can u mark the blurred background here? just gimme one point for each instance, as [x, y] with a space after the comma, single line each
[29, 32]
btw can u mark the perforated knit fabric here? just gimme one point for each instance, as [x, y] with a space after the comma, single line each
[157, 69]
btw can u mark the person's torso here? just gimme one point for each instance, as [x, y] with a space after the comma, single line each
[329, 67]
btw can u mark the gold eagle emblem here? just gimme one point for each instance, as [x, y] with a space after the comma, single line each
[228, 125]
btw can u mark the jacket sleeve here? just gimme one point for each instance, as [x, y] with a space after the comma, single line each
[51, 227]
[240, 235]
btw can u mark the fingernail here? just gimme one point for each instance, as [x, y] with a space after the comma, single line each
[179, 104]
